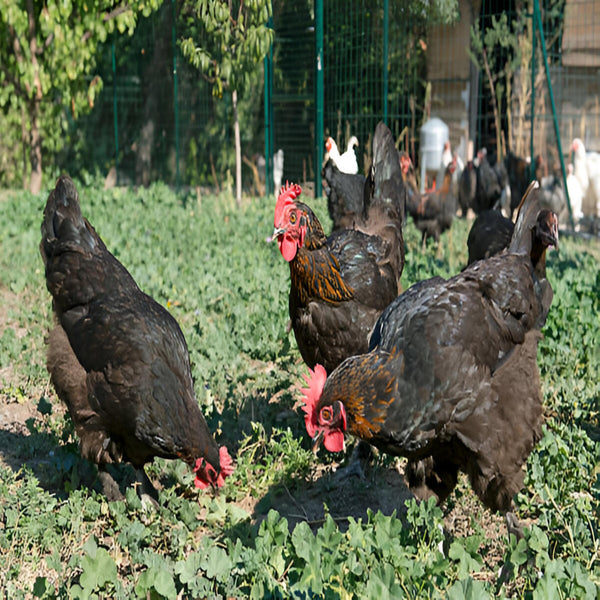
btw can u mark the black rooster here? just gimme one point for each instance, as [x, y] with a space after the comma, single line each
[340, 284]
[490, 233]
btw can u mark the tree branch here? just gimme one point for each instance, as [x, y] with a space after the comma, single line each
[115, 13]
[22, 89]
[48, 41]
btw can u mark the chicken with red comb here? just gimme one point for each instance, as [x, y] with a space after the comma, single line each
[206, 475]
[451, 378]
[117, 358]
[339, 284]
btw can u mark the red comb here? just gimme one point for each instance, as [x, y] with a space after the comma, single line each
[227, 469]
[311, 395]
[288, 193]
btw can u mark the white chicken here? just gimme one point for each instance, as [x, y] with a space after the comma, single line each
[346, 162]
[586, 167]
[575, 194]
[278, 170]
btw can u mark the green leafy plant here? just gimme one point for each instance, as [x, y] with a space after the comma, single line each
[210, 265]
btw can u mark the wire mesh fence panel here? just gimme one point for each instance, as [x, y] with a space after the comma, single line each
[374, 69]
[293, 98]
[156, 118]
[478, 70]
[374, 65]
[544, 71]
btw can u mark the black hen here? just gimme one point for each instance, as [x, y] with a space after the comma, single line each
[451, 380]
[339, 284]
[385, 196]
[518, 172]
[467, 188]
[489, 185]
[490, 233]
[375, 205]
[344, 196]
[116, 357]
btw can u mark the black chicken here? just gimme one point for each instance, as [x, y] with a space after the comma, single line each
[467, 188]
[519, 176]
[340, 284]
[117, 358]
[490, 233]
[344, 195]
[375, 205]
[451, 379]
[489, 184]
[385, 197]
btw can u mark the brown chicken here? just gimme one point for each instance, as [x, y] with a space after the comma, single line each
[451, 380]
[434, 212]
[117, 358]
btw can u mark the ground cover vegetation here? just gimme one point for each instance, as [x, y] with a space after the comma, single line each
[283, 525]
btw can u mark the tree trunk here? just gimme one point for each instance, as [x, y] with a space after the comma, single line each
[35, 152]
[238, 150]
[25, 143]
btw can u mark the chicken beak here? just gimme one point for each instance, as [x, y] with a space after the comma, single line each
[554, 234]
[278, 231]
[317, 439]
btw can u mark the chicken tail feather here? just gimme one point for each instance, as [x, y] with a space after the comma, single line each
[63, 221]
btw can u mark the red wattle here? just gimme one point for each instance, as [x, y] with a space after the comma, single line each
[287, 247]
[334, 441]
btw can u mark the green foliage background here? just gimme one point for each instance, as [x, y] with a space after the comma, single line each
[211, 265]
[48, 55]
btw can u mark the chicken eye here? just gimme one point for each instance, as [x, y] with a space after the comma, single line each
[326, 414]
[293, 218]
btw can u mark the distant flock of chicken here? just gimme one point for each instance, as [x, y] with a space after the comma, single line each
[480, 186]
[444, 373]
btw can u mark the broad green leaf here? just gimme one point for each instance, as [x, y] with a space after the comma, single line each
[97, 570]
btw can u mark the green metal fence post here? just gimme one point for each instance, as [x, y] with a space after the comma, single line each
[537, 17]
[115, 115]
[175, 99]
[268, 113]
[531, 144]
[385, 60]
[319, 95]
